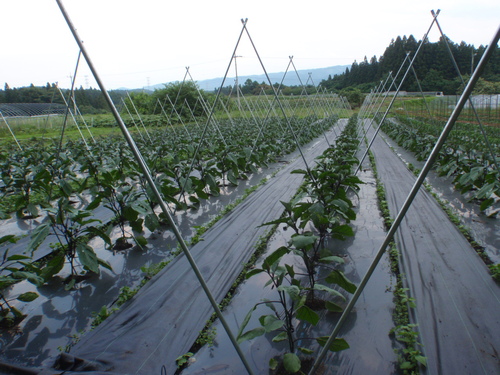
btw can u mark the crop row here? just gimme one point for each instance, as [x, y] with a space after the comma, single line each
[321, 209]
[466, 156]
[71, 184]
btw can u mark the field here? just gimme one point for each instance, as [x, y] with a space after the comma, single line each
[267, 202]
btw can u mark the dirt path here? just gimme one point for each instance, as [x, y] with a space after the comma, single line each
[164, 319]
[458, 303]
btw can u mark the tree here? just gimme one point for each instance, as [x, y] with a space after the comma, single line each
[140, 101]
[353, 96]
[181, 95]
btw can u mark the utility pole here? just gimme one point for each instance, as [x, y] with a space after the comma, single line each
[237, 84]
[473, 53]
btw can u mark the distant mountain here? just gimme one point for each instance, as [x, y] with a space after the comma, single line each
[291, 79]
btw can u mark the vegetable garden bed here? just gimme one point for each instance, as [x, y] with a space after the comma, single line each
[50, 325]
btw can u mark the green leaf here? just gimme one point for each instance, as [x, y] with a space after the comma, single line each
[6, 281]
[32, 209]
[282, 336]
[333, 307]
[300, 241]
[270, 323]
[274, 257]
[130, 214]
[231, 177]
[211, 182]
[28, 297]
[245, 321]
[141, 241]
[94, 204]
[17, 257]
[38, 236]
[253, 333]
[253, 272]
[290, 271]
[65, 187]
[273, 364]
[136, 225]
[406, 365]
[104, 264]
[53, 266]
[306, 351]
[421, 359]
[30, 276]
[17, 313]
[332, 291]
[151, 221]
[307, 314]
[486, 203]
[270, 304]
[87, 257]
[291, 362]
[100, 233]
[298, 171]
[342, 231]
[142, 207]
[337, 345]
[10, 238]
[70, 285]
[332, 258]
[337, 277]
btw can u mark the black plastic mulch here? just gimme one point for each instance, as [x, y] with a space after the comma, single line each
[458, 303]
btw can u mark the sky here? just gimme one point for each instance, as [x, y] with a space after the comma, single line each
[135, 44]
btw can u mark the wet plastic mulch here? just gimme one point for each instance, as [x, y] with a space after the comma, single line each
[57, 315]
[458, 302]
[164, 319]
[366, 330]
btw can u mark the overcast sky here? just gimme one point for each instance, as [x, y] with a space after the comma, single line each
[135, 43]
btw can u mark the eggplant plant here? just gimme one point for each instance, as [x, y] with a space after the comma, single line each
[14, 269]
[23, 179]
[321, 209]
[129, 206]
[466, 157]
[72, 224]
[287, 311]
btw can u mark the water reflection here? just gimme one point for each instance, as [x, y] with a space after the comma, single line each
[57, 315]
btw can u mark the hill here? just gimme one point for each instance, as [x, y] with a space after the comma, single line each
[291, 79]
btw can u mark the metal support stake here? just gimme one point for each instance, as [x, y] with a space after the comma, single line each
[73, 117]
[363, 282]
[11, 132]
[150, 180]
[397, 91]
[279, 103]
[488, 144]
[138, 115]
[71, 94]
[406, 205]
[133, 121]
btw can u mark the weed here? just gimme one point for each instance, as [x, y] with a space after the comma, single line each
[495, 271]
[409, 357]
[183, 360]
[101, 316]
